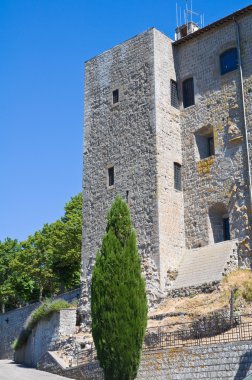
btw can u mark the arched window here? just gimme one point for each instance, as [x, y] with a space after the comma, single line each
[219, 223]
[228, 61]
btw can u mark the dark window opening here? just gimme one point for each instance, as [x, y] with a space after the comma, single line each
[210, 143]
[204, 138]
[228, 61]
[115, 96]
[111, 177]
[127, 196]
[177, 176]
[174, 94]
[188, 93]
[226, 229]
[219, 223]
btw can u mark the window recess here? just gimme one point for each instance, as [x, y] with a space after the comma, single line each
[115, 96]
[228, 61]
[188, 92]
[174, 94]
[177, 176]
[204, 139]
[111, 176]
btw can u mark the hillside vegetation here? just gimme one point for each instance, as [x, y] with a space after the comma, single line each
[187, 309]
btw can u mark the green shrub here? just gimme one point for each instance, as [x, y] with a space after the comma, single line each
[118, 298]
[44, 311]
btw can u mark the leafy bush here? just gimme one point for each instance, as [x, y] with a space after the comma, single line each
[42, 312]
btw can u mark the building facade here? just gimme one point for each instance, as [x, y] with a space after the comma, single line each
[168, 126]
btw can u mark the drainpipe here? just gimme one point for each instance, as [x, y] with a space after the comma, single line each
[244, 115]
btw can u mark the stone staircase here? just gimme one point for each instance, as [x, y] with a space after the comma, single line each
[206, 265]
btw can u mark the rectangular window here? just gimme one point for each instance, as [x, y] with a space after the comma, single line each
[177, 176]
[188, 92]
[111, 177]
[204, 139]
[115, 96]
[174, 94]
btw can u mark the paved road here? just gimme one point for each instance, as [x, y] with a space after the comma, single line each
[12, 371]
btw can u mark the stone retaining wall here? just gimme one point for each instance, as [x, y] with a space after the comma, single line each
[229, 361]
[12, 322]
[45, 335]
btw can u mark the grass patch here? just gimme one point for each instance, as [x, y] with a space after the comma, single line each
[42, 312]
[196, 306]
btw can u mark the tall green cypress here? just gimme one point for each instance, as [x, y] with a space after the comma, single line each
[118, 298]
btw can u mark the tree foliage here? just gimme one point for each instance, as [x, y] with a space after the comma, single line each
[45, 263]
[118, 298]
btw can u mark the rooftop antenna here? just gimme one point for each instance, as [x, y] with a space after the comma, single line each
[192, 20]
[177, 14]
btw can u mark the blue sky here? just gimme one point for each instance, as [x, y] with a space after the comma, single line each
[43, 46]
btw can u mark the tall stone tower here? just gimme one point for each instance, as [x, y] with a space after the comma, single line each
[132, 140]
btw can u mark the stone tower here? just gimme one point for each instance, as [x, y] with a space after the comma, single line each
[168, 127]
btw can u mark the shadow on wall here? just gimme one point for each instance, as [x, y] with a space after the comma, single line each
[244, 366]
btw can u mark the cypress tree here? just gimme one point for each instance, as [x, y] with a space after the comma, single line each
[118, 298]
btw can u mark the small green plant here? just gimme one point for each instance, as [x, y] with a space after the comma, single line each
[42, 312]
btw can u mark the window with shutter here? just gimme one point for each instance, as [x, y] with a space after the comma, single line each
[228, 61]
[177, 176]
[174, 94]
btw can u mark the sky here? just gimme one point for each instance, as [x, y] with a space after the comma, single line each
[43, 47]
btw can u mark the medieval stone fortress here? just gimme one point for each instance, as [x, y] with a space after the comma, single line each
[168, 127]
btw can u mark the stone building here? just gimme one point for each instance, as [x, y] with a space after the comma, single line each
[168, 126]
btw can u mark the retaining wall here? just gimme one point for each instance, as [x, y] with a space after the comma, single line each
[12, 322]
[229, 361]
[45, 335]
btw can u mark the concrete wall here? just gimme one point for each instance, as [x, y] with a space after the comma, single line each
[222, 178]
[45, 335]
[11, 323]
[230, 361]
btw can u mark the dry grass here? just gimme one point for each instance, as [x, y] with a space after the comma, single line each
[203, 304]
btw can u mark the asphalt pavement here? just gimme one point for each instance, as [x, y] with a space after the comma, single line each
[12, 371]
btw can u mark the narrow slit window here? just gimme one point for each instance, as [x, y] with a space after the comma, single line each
[226, 229]
[188, 93]
[228, 61]
[111, 176]
[177, 176]
[115, 96]
[174, 94]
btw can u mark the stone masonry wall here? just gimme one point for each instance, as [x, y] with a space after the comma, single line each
[122, 135]
[170, 200]
[229, 361]
[45, 335]
[11, 323]
[219, 181]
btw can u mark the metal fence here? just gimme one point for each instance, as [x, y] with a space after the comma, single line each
[203, 332]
